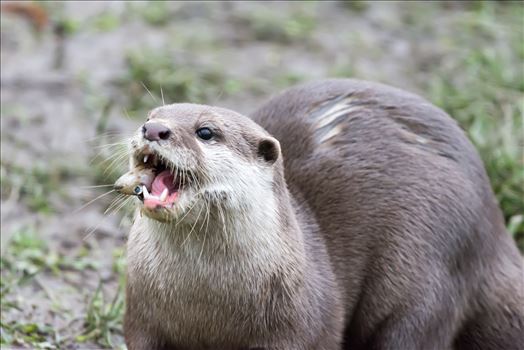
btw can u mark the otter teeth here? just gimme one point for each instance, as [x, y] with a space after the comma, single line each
[146, 157]
[163, 196]
[146, 192]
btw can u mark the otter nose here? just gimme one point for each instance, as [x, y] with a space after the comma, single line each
[155, 131]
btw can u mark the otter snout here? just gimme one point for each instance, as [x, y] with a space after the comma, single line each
[129, 182]
[153, 131]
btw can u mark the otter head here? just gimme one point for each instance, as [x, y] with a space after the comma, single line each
[188, 159]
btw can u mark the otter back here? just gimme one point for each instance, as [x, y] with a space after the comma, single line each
[406, 211]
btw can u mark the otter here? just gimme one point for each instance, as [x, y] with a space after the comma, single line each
[341, 214]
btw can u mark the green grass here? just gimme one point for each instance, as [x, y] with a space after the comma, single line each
[482, 87]
[286, 27]
[357, 6]
[106, 21]
[103, 318]
[26, 258]
[32, 335]
[27, 255]
[39, 187]
[152, 74]
[156, 13]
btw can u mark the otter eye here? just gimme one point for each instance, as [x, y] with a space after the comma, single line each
[204, 133]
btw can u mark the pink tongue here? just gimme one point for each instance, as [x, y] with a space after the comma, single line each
[162, 181]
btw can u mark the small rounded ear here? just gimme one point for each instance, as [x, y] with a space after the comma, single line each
[269, 149]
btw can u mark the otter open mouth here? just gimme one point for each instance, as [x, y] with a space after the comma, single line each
[163, 192]
[154, 180]
[166, 181]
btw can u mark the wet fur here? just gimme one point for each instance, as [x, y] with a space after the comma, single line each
[388, 238]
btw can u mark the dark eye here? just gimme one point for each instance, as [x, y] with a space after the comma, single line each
[204, 133]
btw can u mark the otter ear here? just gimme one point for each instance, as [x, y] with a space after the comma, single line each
[269, 149]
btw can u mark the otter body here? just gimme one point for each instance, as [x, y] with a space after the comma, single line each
[343, 214]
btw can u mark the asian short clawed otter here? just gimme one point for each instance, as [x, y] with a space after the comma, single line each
[342, 215]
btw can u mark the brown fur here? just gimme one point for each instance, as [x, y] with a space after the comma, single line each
[392, 235]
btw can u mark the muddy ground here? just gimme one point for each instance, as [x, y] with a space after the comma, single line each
[73, 83]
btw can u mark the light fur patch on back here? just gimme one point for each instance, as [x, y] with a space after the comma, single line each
[329, 117]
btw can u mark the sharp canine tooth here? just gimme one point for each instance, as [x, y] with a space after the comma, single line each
[146, 192]
[146, 157]
[163, 196]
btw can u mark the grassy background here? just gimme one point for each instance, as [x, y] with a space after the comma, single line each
[73, 88]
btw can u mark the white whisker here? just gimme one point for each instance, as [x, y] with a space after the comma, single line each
[149, 92]
[193, 227]
[91, 201]
[96, 186]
